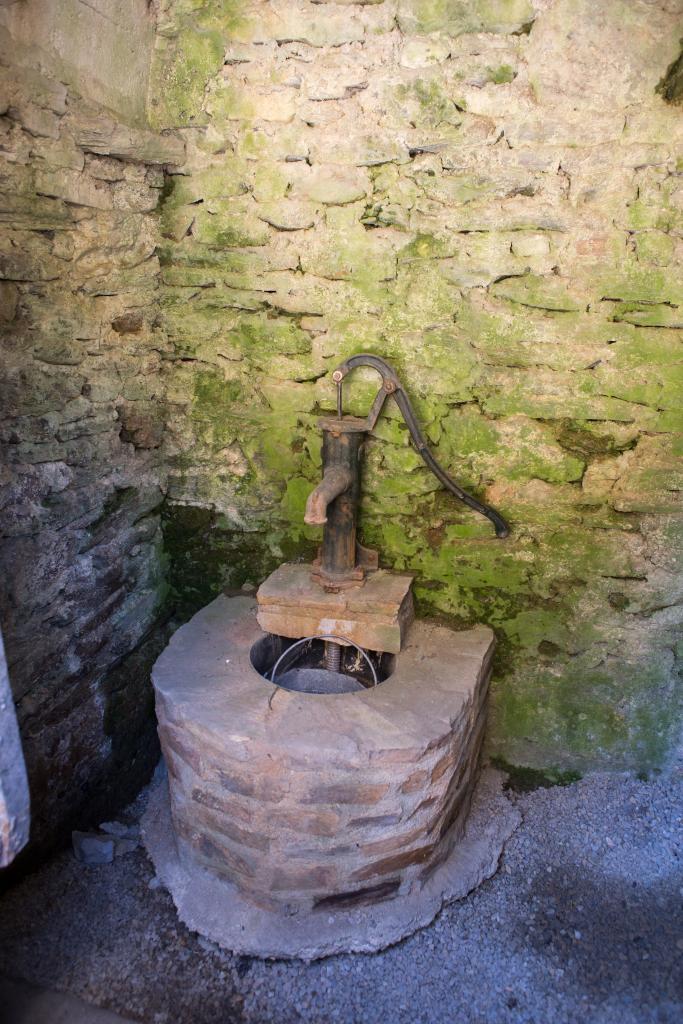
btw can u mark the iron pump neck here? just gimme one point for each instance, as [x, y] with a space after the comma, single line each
[334, 502]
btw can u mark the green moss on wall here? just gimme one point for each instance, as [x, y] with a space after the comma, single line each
[190, 50]
[529, 297]
[458, 16]
[670, 87]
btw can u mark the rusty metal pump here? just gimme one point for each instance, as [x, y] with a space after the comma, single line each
[343, 562]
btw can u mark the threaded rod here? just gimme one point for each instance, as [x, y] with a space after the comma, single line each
[332, 656]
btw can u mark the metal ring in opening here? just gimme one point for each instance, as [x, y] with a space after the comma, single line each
[323, 636]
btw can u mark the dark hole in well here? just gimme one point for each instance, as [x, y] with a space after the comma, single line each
[305, 672]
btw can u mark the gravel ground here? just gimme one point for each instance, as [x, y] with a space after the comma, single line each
[583, 922]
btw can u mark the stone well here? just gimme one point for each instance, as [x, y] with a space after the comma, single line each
[291, 815]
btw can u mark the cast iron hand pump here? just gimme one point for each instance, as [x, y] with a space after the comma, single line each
[334, 502]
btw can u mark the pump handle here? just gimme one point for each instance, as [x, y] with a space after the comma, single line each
[391, 385]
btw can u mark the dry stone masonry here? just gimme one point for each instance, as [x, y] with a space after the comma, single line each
[489, 195]
[302, 824]
[81, 423]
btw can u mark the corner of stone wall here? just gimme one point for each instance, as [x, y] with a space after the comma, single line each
[82, 432]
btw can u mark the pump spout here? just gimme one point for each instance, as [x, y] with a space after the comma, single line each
[334, 504]
[336, 480]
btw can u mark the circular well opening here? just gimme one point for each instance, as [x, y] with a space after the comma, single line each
[305, 671]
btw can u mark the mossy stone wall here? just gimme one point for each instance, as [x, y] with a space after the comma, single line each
[488, 194]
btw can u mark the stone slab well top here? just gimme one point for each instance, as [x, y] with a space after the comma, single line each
[205, 676]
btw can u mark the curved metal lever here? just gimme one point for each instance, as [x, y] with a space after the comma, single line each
[391, 385]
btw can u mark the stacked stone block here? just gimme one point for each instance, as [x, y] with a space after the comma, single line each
[318, 801]
[81, 425]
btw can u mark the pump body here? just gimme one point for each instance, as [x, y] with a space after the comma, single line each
[342, 561]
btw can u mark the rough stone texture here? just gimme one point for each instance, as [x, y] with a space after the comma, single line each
[81, 420]
[375, 616]
[311, 804]
[104, 46]
[497, 211]
[488, 194]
